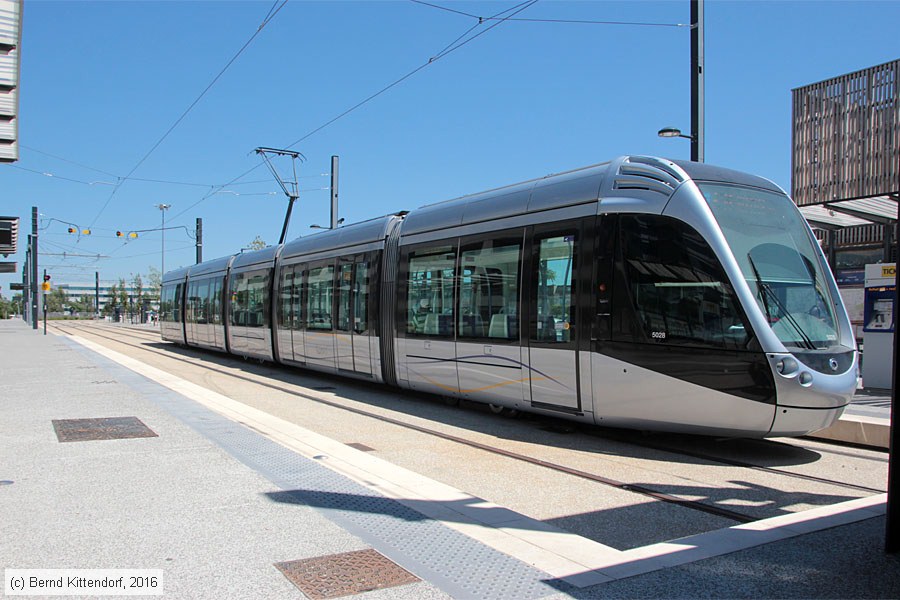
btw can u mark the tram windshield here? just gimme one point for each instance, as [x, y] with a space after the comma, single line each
[775, 251]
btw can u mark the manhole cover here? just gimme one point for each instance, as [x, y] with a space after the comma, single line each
[345, 574]
[112, 428]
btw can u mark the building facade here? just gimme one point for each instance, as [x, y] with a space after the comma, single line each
[148, 299]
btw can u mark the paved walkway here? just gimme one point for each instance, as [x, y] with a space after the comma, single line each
[216, 506]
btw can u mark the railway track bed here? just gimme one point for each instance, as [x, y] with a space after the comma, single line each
[619, 488]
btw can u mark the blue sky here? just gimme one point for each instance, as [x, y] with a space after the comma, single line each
[102, 82]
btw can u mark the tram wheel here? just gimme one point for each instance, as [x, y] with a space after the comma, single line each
[503, 411]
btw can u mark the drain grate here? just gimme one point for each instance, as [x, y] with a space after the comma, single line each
[112, 428]
[359, 446]
[345, 574]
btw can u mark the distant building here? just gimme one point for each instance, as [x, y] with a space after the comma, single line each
[10, 44]
[75, 291]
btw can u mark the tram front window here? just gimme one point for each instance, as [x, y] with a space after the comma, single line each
[775, 251]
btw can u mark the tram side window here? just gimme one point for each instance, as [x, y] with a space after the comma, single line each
[176, 303]
[319, 294]
[239, 304]
[361, 298]
[168, 308]
[257, 299]
[679, 291]
[345, 286]
[489, 291]
[215, 302]
[555, 288]
[286, 299]
[198, 302]
[204, 302]
[429, 297]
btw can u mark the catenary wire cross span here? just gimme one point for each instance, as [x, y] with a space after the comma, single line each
[273, 11]
[498, 19]
[47, 173]
[561, 21]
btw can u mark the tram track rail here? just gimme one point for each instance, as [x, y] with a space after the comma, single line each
[624, 486]
[608, 434]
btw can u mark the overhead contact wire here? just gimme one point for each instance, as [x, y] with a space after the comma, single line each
[271, 15]
[518, 8]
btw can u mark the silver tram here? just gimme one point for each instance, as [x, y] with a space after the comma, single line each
[640, 293]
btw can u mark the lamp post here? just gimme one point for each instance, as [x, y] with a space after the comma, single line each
[336, 224]
[163, 208]
[698, 128]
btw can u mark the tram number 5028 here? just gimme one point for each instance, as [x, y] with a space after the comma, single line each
[658, 335]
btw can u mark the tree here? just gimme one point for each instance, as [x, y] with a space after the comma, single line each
[123, 295]
[154, 280]
[137, 285]
[56, 301]
[113, 300]
[257, 244]
[85, 304]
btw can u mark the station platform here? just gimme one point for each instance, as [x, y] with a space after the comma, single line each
[225, 509]
[866, 422]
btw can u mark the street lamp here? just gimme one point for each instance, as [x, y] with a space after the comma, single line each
[668, 132]
[698, 128]
[162, 209]
[338, 224]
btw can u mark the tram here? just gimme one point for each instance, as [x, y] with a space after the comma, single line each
[640, 293]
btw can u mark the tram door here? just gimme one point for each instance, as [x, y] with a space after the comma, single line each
[352, 335]
[552, 334]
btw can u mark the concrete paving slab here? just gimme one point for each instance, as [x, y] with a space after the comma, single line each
[237, 519]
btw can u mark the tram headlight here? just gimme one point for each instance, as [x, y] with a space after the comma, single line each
[786, 366]
[805, 378]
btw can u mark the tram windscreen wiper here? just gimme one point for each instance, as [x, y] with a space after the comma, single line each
[766, 291]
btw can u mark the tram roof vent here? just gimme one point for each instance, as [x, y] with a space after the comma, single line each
[649, 174]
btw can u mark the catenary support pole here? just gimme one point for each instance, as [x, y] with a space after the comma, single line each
[199, 240]
[45, 304]
[34, 267]
[26, 284]
[334, 192]
[697, 88]
[892, 525]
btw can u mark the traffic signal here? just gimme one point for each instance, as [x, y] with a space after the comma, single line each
[46, 278]
[132, 235]
[119, 234]
[72, 230]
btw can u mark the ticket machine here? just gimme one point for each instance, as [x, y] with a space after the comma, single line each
[878, 328]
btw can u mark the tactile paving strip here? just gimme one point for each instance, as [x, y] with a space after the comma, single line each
[344, 574]
[449, 560]
[110, 428]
